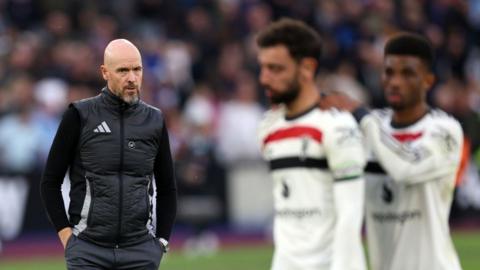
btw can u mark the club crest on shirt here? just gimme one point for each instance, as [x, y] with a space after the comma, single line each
[285, 190]
[387, 191]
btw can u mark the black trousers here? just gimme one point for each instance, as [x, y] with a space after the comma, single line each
[83, 255]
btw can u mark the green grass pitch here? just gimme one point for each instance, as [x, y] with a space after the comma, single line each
[245, 257]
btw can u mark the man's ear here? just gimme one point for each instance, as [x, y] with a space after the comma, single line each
[429, 80]
[308, 67]
[104, 70]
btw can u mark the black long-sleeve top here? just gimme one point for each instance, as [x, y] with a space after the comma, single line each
[62, 154]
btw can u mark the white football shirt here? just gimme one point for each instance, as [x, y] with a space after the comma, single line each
[409, 188]
[316, 161]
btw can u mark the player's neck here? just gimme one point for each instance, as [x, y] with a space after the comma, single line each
[306, 99]
[409, 116]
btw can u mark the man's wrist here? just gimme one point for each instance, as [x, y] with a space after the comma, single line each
[164, 243]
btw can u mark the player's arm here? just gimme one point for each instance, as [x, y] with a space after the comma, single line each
[166, 200]
[437, 154]
[349, 205]
[346, 160]
[59, 159]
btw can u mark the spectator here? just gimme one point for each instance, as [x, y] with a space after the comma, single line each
[20, 147]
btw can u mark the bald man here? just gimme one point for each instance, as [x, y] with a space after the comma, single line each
[116, 150]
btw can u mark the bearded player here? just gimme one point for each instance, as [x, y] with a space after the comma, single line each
[316, 158]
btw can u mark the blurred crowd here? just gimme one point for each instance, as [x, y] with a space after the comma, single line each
[200, 70]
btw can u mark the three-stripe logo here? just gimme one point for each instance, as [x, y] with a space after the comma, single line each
[102, 128]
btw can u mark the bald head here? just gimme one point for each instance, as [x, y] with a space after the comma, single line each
[122, 69]
[119, 48]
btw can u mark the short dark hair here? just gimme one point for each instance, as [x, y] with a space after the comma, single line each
[300, 39]
[412, 45]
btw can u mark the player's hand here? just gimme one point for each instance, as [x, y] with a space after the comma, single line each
[65, 234]
[338, 100]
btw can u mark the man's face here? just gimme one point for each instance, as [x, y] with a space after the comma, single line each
[124, 76]
[405, 80]
[279, 74]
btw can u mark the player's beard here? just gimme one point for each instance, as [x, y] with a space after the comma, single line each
[289, 95]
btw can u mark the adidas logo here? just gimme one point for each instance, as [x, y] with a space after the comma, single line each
[102, 128]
